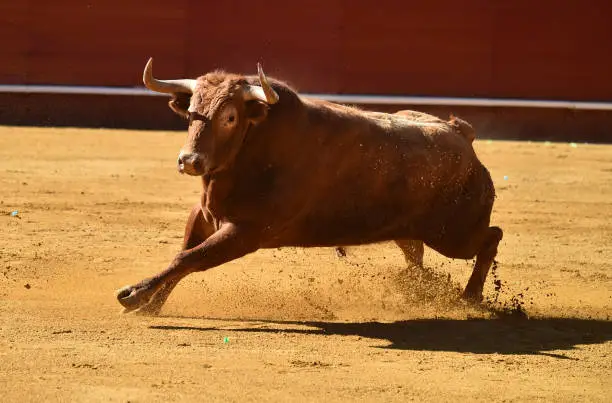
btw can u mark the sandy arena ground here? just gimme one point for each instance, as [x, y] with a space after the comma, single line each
[99, 209]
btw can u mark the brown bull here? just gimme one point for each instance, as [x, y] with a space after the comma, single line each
[281, 170]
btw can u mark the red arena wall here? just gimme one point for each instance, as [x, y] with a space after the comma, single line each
[549, 49]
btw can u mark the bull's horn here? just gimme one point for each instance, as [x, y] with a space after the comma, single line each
[264, 93]
[166, 86]
[271, 95]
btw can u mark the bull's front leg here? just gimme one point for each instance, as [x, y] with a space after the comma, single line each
[197, 230]
[228, 243]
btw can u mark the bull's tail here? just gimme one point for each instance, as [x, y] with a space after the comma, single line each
[463, 128]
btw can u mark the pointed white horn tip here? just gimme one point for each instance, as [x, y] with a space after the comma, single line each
[148, 71]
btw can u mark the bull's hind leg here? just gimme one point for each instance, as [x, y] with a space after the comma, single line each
[484, 259]
[413, 251]
[196, 232]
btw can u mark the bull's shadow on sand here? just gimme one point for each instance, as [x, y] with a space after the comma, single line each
[478, 336]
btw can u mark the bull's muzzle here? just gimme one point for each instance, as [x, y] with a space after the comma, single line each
[190, 164]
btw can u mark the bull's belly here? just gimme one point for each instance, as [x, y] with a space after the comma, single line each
[435, 224]
[324, 240]
[324, 231]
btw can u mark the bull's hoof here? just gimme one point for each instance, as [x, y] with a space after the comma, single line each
[132, 297]
[472, 296]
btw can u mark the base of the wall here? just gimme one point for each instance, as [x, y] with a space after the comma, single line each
[146, 112]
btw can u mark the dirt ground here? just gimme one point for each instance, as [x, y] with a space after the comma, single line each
[99, 209]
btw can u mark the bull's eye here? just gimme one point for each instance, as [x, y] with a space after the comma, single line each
[227, 117]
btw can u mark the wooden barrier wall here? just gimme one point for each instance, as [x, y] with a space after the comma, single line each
[545, 49]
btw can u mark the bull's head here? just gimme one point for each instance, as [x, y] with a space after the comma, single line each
[220, 108]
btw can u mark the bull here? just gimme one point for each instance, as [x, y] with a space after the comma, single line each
[279, 169]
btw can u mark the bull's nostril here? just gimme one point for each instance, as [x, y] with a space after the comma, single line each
[190, 163]
[197, 164]
[180, 163]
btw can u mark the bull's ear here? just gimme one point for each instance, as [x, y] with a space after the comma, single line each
[256, 112]
[180, 104]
